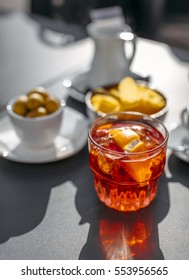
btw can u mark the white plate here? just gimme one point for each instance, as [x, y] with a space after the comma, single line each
[180, 136]
[71, 139]
[79, 80]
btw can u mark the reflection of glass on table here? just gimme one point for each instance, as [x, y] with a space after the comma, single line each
[130, 236]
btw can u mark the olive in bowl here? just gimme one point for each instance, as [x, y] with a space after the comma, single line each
[36, 120]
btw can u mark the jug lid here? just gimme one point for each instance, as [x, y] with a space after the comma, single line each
[107, 29]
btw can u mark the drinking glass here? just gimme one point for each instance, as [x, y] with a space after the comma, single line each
[127, 155]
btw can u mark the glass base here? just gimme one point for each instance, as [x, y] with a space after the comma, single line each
[124, 197]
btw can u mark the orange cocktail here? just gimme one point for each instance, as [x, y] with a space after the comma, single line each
[127, 154]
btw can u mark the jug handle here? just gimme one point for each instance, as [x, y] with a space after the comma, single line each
[185, 116]
[129, 37]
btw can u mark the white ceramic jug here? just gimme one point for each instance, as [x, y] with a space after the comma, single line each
[110, 62]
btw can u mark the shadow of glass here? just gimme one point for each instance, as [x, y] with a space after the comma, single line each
[23, 204]
[178, 170]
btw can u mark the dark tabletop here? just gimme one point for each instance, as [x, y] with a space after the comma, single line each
[50, 210]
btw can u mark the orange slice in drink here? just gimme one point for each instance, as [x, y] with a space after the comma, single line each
[140, 170]
[135, 146]
[123, 136]
[127, 139]
[104, 165]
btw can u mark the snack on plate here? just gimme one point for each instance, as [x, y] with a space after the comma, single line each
[128, 95]
[36, 103]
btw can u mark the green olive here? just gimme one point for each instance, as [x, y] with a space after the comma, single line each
[20, 105]
[39, 112]
[35, 100]
[52, 104]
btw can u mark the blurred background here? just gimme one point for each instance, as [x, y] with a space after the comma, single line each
[161, 20]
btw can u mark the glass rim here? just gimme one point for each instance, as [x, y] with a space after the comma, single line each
[128, 153]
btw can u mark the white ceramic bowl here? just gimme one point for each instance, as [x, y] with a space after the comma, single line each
[39, 131]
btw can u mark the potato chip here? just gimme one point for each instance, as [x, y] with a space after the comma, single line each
[129, 95]
[105, 103]
[151, 101]
[127, 84]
